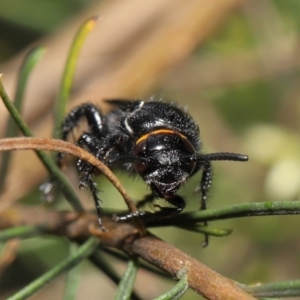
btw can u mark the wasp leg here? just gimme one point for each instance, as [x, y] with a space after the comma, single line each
[204, 187]
[95, 191]
[92, 145]
[100, 149]
[94, 121]
[137, 214]
[92, 115]
[96, 127]
[86, 171]
[93, 142]
[164, 212]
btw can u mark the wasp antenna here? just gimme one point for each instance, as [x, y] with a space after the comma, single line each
[224, 156]
[217, 156]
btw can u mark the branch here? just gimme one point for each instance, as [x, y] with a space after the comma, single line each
[125, 237]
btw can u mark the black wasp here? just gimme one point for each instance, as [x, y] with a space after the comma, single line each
[158, 141]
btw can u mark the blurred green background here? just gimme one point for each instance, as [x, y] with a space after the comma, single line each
[22, 22]
[247, 78]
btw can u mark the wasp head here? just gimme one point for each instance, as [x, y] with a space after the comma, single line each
[160, 161]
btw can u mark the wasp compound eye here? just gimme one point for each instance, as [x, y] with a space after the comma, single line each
[142, 168]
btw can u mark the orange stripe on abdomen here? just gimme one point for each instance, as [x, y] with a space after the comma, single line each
[159, 131]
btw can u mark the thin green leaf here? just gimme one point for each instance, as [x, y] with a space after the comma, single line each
[47, 161]
[73, 276]
[178, 290]
[19, 232]
[32, 58]
[143, 264]
[11, 129]
[205, 229]
[126, 284]
[69, 71]
[235, 211]
[97, 259]
[83, 252]
[275, 289]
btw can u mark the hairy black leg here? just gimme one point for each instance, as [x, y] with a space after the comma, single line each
[92, 115]
[97, 148]
[100, 149]
[91, 143]
[140, 203]
[86, 171]
[205, 184]
[204, 187]
[96, 126]
[179, 204]
[204, 161]
[94, 121]
[94, 191]
[164, 212]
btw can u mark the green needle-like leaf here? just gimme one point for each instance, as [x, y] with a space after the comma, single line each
[142, 264]
[236, 211]
[32, 58]
[178, 290]
[275, 289]
[19, 232]
[206, 229]
[11, 129]
[126, 285]
[83, 252]
[73, 276]
[69, 71]
[103, 264]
